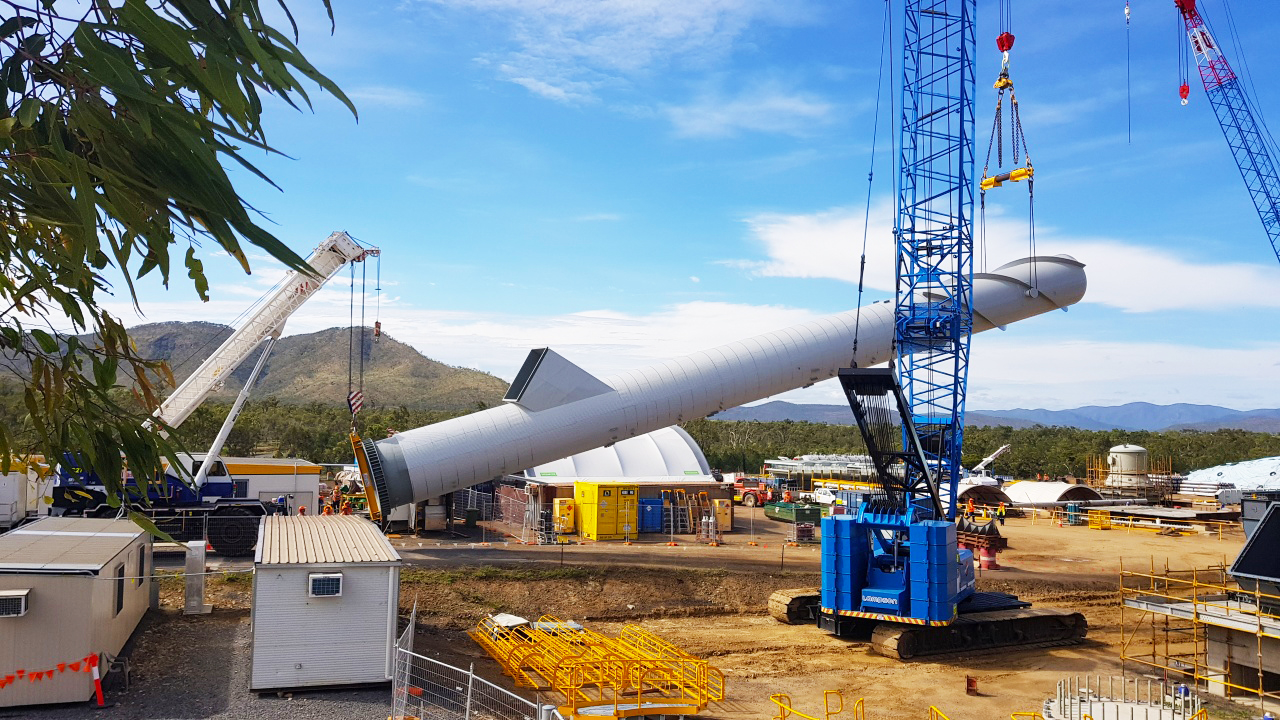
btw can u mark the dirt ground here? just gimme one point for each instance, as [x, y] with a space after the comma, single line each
[711, 601]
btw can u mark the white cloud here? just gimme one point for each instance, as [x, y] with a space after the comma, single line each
[565, 50]
[768, 108]
[601, 341]
[695, 278]
[1127, 276]
[1008, 369]
[385, 96]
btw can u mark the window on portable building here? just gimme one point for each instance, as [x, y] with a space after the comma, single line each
[142, 563]
[119, 588]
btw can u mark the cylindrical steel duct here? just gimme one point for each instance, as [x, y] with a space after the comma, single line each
[575, 412]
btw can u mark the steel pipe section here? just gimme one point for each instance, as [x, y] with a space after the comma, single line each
[426, 463]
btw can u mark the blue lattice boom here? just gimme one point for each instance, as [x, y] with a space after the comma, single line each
[934, 229]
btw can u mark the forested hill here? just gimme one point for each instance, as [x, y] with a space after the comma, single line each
[731, 445]
[312, 368]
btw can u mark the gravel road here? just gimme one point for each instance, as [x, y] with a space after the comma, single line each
[198, 667]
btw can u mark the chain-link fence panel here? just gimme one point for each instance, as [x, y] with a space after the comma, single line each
[426, 688]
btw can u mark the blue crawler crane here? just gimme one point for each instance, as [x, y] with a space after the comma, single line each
[892, 572]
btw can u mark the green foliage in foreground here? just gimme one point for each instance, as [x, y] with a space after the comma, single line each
[116, 121]
[744, 446]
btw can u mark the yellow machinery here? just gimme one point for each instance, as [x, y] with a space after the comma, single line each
[785, 711]
[366, 476]
[724, 514]
[566, 520]
[632, 675]
[606, 510]
[1099, 519]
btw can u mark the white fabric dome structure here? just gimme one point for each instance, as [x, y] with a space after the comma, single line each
[666, 453]
[1260, 474]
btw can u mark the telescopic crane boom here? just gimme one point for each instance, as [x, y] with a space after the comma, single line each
[981, 468]
[267, 321]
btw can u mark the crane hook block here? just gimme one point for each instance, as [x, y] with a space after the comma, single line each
[1184, 92]
[1013, 175]
[1005, 42]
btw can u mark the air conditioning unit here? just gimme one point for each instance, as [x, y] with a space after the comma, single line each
[324, 585]
[13, 603]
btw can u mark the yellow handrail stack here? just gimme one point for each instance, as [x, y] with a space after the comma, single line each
[634, 674]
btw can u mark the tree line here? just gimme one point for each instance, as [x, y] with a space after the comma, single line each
[744, 446]
[319, 433]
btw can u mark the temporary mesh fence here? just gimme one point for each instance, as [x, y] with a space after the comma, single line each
[472, 504]
[429, 689]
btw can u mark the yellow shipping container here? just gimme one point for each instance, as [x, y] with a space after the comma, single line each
[606, 510]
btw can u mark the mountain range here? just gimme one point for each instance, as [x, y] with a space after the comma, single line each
[1131, 416]
[312, 368]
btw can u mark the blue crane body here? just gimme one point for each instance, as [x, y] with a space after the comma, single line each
[893, 570]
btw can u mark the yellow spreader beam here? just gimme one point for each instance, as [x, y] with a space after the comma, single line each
[995, 181]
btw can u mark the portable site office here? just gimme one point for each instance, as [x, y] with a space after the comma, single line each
[70, 589]
[337, 573]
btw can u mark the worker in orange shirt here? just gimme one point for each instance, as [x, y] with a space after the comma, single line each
[1000, 513]
[328, 509]
[346, 507]
[302, 509]
[969, 510]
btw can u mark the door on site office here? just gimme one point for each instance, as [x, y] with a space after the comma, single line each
[607, 517]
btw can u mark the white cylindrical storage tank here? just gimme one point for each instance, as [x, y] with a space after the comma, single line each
[1128, 460]
[1127, 466]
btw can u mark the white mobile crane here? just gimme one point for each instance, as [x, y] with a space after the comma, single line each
[980, 470]
[211, 498]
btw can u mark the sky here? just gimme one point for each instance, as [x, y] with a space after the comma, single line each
[626, 181]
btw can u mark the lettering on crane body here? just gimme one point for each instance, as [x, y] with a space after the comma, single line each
[882, 600]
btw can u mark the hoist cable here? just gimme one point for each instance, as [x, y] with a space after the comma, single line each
[364, 274]
[351, 330]
[871, 173]
[1128, 72]
[1031, 214]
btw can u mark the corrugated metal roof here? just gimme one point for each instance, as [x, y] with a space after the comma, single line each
[668, 452]
[54, 544]
[321, 539]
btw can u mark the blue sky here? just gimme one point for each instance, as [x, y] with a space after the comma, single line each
[630, 180]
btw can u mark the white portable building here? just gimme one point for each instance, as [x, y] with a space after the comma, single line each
[335, 573]
[71, 589]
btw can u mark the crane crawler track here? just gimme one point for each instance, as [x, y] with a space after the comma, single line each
[795, 607]
[1025, 627]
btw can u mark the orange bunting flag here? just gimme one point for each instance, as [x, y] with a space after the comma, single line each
[85, 664]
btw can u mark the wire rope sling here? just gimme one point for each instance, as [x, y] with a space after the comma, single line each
[1018, 170]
